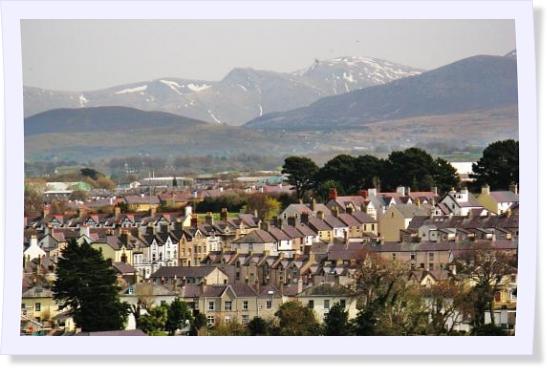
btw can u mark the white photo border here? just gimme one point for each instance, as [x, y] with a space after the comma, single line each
[520, 344]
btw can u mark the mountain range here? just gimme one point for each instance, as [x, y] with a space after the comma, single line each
[471, 102]
[242, 95]
[474, 83]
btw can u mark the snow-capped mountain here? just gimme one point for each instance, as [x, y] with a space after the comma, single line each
[244, 93]
[348, 73]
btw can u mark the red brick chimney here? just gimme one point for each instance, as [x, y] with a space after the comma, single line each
[332, 193]
[194, 221]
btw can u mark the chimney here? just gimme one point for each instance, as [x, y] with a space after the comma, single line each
[371, 192]
[434, 190]
[188, 211]
[362, 193]
[194, 221]
[279, 223]
[209, 218]
[300, 285]
[304, 217]
[265, 225]
[152, 211]
[314, 204]
[291, 221]
[224, 214]
[401, 190]
[485, 189]
[332, 193]
[319, 215]
[514, 188]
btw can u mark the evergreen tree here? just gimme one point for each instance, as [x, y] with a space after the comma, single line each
[257, 327]
[336, 321]
[498, 166]
[177, 315]
[301, 172]
[296, 320]
[87, 285]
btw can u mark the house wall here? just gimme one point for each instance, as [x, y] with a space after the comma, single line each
[390, 225]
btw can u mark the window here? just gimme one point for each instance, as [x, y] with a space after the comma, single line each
[153, 257]
[245, 304]
[412, 257]
[37, 307]
[228, 305]
[237, 275]
[497, 296]
[269, 304]
[311, 304]
[430, 266]
[393, 256]
[23, 306]
[210, 320]
[211, 306]
[422, 265]
[430, 257]
[245, 319]
[343, 303]
[326, 304]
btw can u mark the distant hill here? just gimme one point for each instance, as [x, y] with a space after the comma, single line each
[103, 119]
[105, 132]
[475, 83]
[243, 94]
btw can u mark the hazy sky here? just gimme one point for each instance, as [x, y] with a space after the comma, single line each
[93, 54]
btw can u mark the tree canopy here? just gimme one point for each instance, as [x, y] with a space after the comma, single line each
[86, 284]
[301, 172]
[498, 166]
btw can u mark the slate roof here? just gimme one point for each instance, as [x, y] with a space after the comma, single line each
[183, 272]
[504, 196]
[256, 236]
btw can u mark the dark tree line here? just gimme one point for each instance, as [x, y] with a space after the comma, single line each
[413, 168]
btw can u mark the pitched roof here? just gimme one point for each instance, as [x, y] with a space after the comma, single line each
[256, 236]
[504, 196]
[183, 272]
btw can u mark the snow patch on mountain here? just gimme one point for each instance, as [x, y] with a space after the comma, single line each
[132, 90]
[198, 87]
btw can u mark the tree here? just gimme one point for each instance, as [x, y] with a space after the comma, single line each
[296, 320]
[174, 182]
[230, 328]
[413, 167]
[91, 173]
[266, 206]
[33, 201]
[78, 195]
[177, 316]
[257, 327]
[486, 268]
[301, 172]
[154, 322]
[369, 169]
[198, 322]
[336, 321]
[87, 285]
[445, 175]
[343, 170]
[445, 301]
[498, 166]
[381, 287]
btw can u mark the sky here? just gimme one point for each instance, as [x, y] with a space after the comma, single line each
[83, 55]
